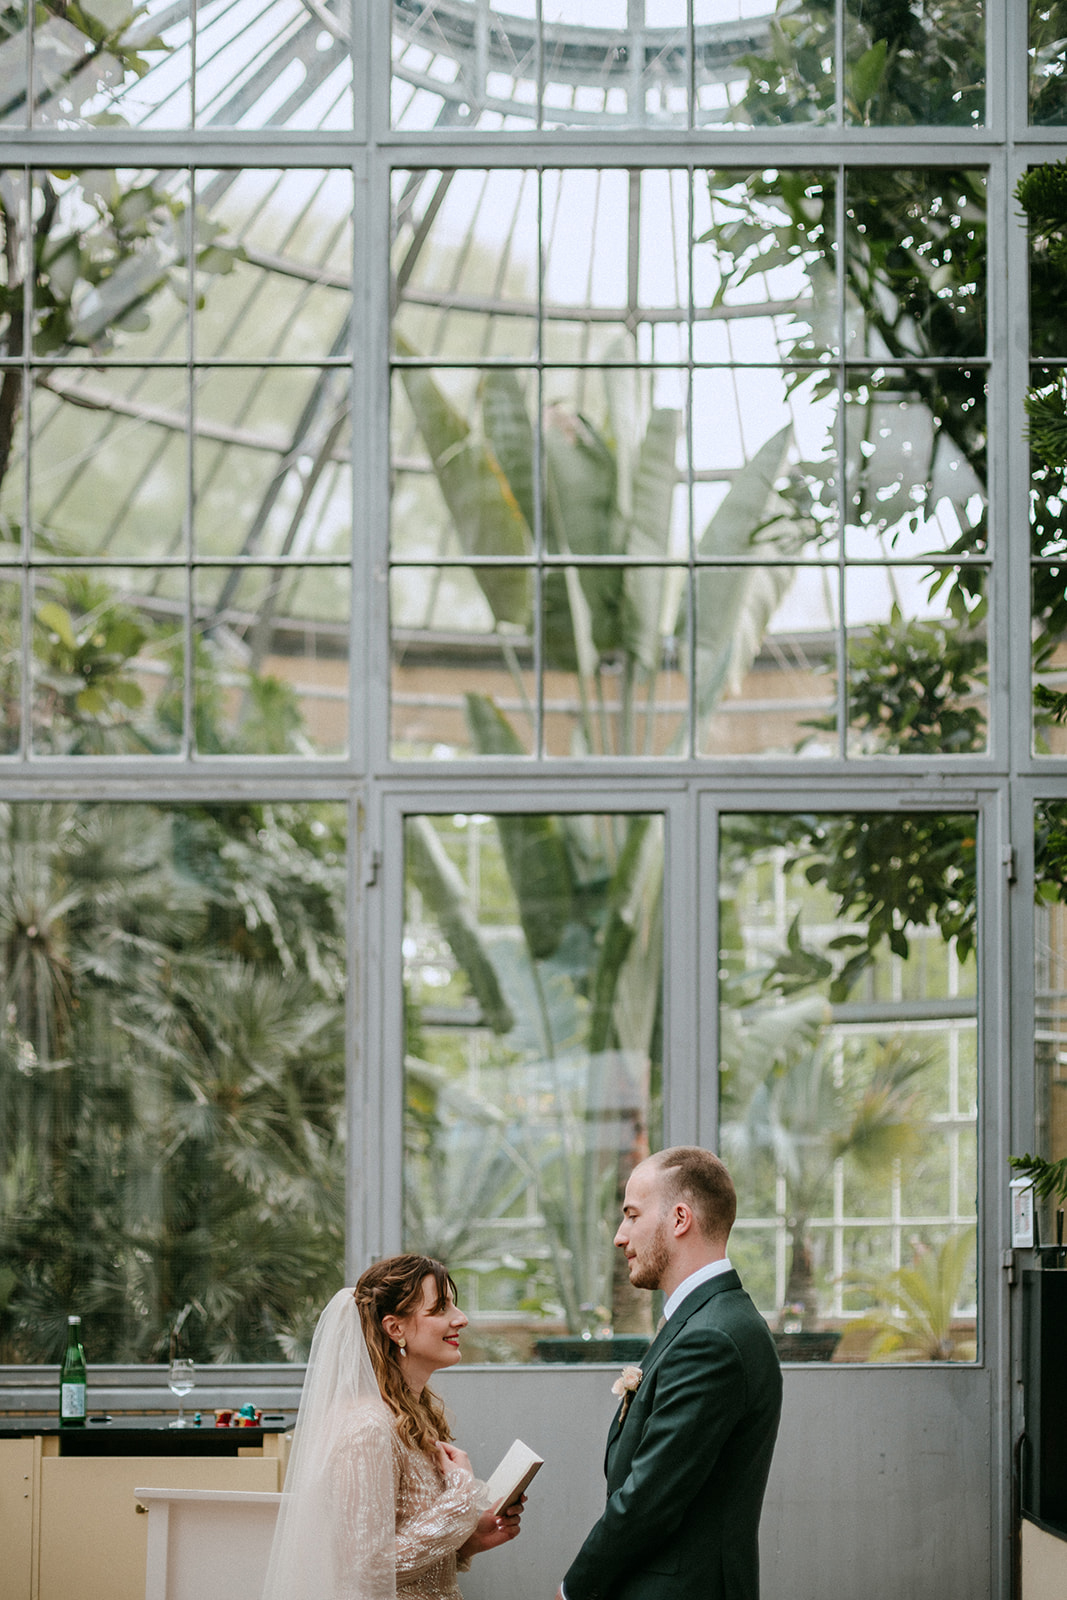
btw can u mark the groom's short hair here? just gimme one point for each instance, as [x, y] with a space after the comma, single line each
[699, 1179]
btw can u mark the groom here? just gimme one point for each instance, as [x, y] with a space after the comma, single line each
[690, 1447]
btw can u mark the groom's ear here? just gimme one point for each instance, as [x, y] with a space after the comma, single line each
[683, 1219]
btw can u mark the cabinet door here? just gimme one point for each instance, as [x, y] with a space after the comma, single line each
[94, 1540]
[16, 1516]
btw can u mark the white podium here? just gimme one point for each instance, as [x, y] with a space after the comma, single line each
[207, 1544]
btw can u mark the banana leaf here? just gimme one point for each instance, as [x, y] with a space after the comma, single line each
[729, 633]
[535, 851]
[445, 894]
[484, 509]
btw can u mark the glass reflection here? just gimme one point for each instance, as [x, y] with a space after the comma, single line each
[532, 1080]
[847, 1109]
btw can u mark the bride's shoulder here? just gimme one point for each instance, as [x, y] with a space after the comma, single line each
[368, 1422]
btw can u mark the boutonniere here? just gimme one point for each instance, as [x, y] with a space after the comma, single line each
[627, 1384]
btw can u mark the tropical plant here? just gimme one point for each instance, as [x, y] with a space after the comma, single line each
[799, 1098]
[902, 65]
[171, 1075]
[587, 894]
[917, 1317]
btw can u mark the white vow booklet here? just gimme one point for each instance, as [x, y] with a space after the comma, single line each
[513, 1475]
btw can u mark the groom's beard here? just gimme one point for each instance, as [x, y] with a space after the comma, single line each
[649, 1269]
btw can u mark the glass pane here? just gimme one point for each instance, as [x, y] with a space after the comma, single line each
[464, 261]
[764, 283]
[274, 264]
[445, 72]
[1050, 992]
[462, 680]
[848, 1030]
[111, 264]
[14, 66]
[761, 64]
[463, 454]
[532, 1080]
[764, 460]
[172, 1076]
[766, 660]
[920, 63]
[1048, 86]
[917, 660]
[615, 248]
[10, 659]
[915, 441]
[272, 463]
[271, 674]
[1049, 635]
[298, 76]
[112, 63]
[109, 463]
[1042, 194]
[108, 668]
[915, 263]
[610, 62]
[616, 664]
[1046, 408]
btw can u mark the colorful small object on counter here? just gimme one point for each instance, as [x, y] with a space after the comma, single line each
[222, 1419]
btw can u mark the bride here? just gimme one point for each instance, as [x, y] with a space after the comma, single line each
[378, 1503]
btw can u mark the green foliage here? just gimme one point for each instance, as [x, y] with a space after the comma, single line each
[1048, 87]
[916, 1322]
[171, 1075]
[909, 686]
[1050, 1177]
[904, 64]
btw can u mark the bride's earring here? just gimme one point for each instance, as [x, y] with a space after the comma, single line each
[401, 1349]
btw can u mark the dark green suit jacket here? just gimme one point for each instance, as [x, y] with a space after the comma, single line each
[688, 1465]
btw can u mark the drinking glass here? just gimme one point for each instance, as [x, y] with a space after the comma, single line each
[181, 1378]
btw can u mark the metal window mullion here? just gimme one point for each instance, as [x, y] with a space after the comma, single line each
[693, 691]
[840, 444]
[29, 255]
[188, 740]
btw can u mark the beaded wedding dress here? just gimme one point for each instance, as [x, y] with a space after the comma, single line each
[362, 1515]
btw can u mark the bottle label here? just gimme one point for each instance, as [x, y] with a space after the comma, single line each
[72, 1400]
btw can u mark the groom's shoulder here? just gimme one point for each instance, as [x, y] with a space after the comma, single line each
[733, 1312]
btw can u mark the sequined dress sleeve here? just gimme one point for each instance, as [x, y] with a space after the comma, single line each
[382, 1484]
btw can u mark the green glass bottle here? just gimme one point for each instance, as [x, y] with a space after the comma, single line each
[72, 1379]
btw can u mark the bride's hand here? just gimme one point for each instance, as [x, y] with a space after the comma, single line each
[450, 1456]
[492, 1529]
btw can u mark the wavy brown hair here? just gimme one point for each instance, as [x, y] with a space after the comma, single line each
[393, 1287]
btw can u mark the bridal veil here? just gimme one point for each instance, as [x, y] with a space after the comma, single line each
[335, 1538]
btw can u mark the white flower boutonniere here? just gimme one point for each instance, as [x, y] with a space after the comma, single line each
[626, 1385]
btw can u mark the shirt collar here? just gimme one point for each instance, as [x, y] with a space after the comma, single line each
[711, 1269]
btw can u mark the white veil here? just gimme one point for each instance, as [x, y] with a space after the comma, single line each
[308, 1558]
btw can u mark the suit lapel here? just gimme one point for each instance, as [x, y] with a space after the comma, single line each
[692, 1303]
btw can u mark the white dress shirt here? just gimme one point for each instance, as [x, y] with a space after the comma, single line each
[711, 1269]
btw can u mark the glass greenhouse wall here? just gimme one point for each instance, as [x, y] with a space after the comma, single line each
[449, 450]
